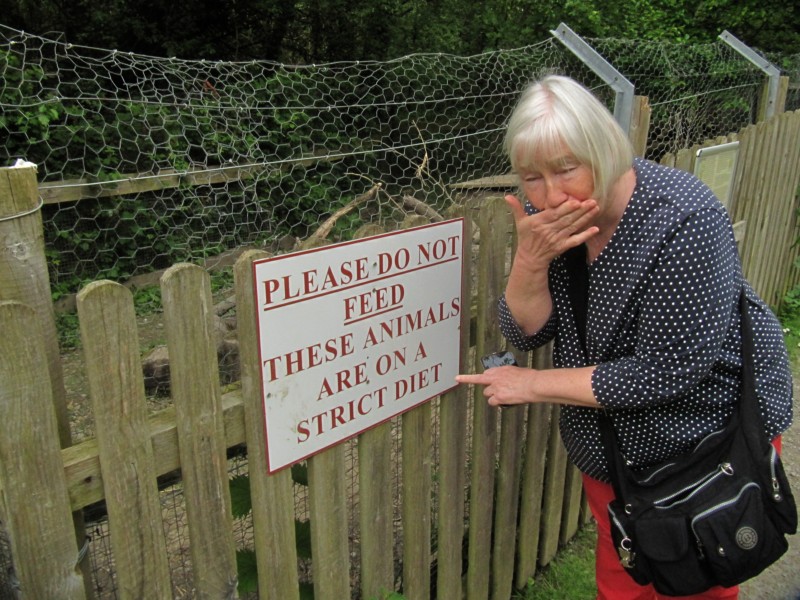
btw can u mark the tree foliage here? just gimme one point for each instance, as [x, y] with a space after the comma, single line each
[312, 31]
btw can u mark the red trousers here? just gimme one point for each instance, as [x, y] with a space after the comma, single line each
[613, 583]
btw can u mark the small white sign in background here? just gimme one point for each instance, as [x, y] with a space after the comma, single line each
[352, 334]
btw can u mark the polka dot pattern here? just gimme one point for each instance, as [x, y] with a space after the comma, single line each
[663, 328]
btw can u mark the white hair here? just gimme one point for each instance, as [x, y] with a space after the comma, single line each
[557, 114]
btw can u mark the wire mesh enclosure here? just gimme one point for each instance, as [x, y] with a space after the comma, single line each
[146, 161]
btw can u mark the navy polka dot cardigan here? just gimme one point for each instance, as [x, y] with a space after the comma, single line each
[663, 328]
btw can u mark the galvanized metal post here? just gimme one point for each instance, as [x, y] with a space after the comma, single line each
[623, 89]
[772, 72]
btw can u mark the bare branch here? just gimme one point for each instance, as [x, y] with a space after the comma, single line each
[323, 230]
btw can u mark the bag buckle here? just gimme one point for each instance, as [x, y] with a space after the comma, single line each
[626, 553]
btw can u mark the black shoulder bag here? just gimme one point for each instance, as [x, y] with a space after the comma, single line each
[716, 515]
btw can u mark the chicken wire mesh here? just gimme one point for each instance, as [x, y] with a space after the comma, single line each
[146, 161]
[178, 160]
[790, 67]
[696, 92]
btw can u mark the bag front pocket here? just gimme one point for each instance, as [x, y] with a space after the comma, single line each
[658, 549]
[735, 537]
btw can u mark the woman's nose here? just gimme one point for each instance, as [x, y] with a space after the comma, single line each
[554, 195]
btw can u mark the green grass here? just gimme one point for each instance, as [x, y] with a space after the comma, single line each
[570, 576]
[790, 320]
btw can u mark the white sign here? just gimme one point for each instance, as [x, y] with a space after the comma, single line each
[352, 334]
[716, 167]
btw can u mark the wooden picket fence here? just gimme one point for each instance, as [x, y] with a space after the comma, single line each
[766, 200]
[505, 496]
[510, 482]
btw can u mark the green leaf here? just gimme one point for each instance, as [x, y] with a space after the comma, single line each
[302, 532]
[248, 571]
[241, 501]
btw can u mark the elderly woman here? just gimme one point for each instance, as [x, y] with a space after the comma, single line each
[662, 351]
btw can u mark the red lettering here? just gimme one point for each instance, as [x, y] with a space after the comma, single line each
[437, 249]
[344, 380]
[309, 281]
[330, 280]
[374, 301]
[342, 414]
[336, 416]
[285, 288]
[309, 357]
[416, 382]
[271, 286]
[325, 390]
[302, 430]
[319, 422]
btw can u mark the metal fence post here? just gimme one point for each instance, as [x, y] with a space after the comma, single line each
[772, 72]
[624, 89]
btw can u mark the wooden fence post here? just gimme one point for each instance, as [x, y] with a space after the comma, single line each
[453, 414]
[553, 501]
[780, 99]
[376, 514]
[23, 271]
[640, 124]
[509, 475]
[24, 277]
[327, 501]
[417, 447]
[37, 507]
[537, 441]
[495, 230]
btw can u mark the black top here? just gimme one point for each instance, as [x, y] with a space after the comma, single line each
[663, 328]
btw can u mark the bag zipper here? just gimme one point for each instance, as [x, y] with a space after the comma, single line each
[617, 522]
[710, 436]
[695, 487]
[656, 472]
[776, 486]
[705, 440]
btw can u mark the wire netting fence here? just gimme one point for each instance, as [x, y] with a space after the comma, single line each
[179, 160]
[147, 161]
[696, 92]
[790, 67]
